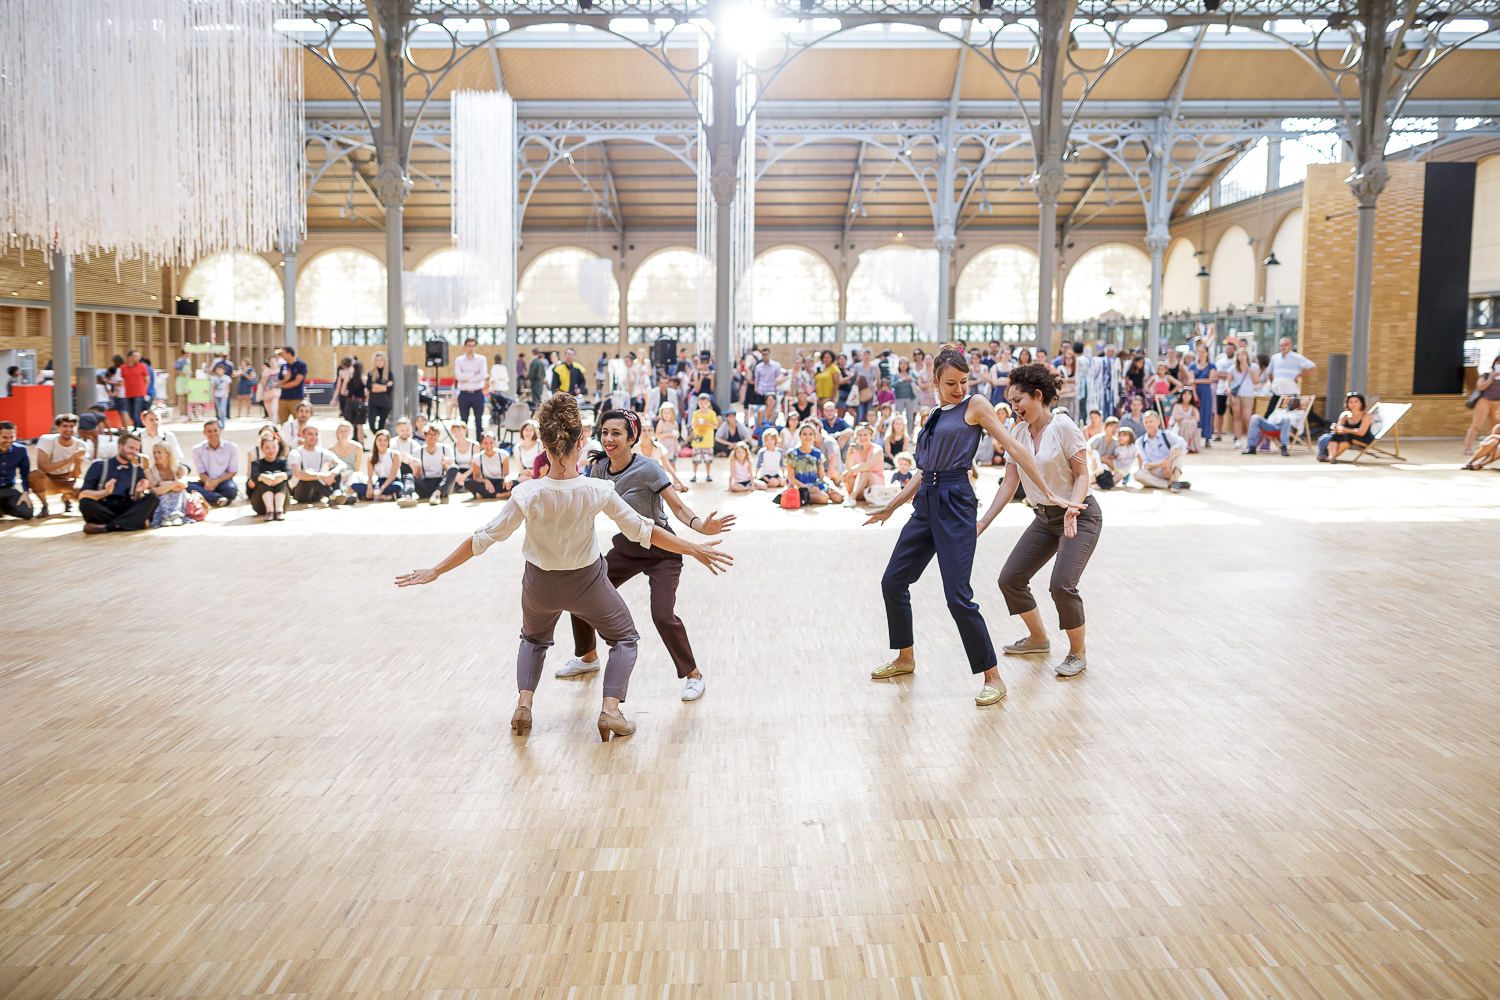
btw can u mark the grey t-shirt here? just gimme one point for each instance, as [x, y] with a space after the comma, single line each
[639, 484]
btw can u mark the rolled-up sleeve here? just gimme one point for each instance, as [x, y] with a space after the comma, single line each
[502, 527]
[632, 525]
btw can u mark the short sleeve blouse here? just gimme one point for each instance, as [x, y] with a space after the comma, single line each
[1061, 440]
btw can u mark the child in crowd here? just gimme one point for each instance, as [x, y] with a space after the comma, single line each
[1127, 453]
[768, 462]
[705, 421]
[884, 395]
[668, 436]
[1161, 385]
[220, 383]
[741, 472]
[904, 465]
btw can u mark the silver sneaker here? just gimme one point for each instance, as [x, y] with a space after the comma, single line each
[693, 689]
[1026, 645]
[576, 668]
[1072, 666]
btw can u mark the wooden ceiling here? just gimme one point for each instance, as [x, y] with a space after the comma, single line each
[812, 187]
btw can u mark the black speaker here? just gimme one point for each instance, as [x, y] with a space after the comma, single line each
[187, 307]
[663, 352]
[437, 353]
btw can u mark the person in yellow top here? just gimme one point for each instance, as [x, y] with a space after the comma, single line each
[705, 421]
[826, 382]
[568, 376]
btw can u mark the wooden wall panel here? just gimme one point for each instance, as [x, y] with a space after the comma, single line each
[1331, 223]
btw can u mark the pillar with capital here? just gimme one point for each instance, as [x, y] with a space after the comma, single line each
[1157, 242]
[1365, 183]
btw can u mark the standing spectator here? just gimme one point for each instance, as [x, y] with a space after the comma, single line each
[826, 380]
[470, 376]
[135, 385]
[499, 388]
[153, 434]
[702, 425]
[59, 463]
[1285, 373]
[1161, 456]
[12, 377]
[356, 401]
[171, 492]
[270, 389]
[435, 471]
[601, 372]
[1104, 382]
[1243, 381]
[220, 383]
[1486, 404]
[921, 366]
[15, 474]
[151, 393]
[767, 378]
[378, 389]
[866, 378]
[536, 377]
[341, 382]
[904, 389]
[245, 385]
[316, 472]
[116, 494]
[269, 478]
[292, 380]
[568, 376]
[218, 463]
[1204, 376]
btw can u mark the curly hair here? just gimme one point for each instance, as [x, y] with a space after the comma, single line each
[1037, 380]
[560, 423]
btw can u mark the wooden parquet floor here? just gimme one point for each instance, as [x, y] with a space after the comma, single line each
[236, 761]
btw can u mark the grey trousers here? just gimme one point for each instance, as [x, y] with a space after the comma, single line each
[1039, 542]
[587, 594]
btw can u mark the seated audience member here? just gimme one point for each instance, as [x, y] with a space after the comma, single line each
[741, 469]
[1104, 446]
[769, 461]
[218, 464]
[291, 431]
[529, 448]
[269, 478]
[487, 477]
[59, 461]
[906, 464]
[1161, 456]
[1486, 451]
[170, 487]
[15, 474]
[835, 426]
[1094, 426]
[1286, 420]
[464, 451]
[865, 466]
[1355, 424]
[153, 434]
[1127, 455]
[1135, 418]
[350, 453]
[387, 477]
[896, 440]
[317, 473]
[435, 471]
[804, 405]
[116, 494]
[767, 423]
[730, 433]
[807, 468]
[1185, 419]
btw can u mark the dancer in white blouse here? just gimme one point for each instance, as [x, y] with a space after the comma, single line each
[564, 569]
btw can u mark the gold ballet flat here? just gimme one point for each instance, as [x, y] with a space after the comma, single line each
[892, 669]
[988, 695]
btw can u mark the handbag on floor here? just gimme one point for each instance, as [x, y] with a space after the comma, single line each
[789, 499]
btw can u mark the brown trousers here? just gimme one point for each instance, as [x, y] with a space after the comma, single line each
[663, 569]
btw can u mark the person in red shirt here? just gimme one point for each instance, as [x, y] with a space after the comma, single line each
[137, 381]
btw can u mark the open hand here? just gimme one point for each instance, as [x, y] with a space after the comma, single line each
[716, 561]
[713, 524]
[416, 578]
[879, 516]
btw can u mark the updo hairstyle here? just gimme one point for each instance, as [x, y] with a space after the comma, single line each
[949, 356]
[560, 423]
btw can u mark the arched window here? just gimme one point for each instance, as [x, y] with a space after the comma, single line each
[1284, 281]
[664, 288]
[1179, 277]
[1109, 267]
[483, 301]
[998, 285]
[868, 304]
[236, 286]
[794, 285]
[344, 287]
[568, 286]
[1231, 279]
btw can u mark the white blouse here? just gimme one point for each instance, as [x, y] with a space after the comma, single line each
[559, 517]
[1061, 440]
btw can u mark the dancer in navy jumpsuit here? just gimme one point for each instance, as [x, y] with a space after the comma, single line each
[942, 523]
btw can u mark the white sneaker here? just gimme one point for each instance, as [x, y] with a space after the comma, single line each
[406, 502]
[434, 500]
[576, 668]
[693, 689]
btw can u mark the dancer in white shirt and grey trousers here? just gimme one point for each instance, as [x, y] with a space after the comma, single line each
[564, 569]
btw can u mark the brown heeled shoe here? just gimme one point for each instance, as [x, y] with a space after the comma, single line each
[617, 725]
[520, 722]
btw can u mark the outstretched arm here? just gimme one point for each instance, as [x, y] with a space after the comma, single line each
[456, 558]
[705, 552]
[907, 492]
[710, 525]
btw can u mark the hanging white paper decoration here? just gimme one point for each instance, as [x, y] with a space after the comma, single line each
[152, 128]
[910, 279]
[484, 198]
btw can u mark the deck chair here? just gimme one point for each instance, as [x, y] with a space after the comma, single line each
[1387, 416]
[1304, 437]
